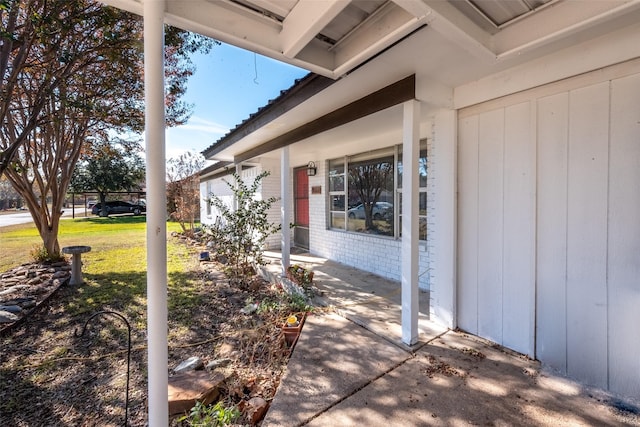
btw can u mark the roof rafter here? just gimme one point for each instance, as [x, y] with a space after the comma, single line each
[305, 21]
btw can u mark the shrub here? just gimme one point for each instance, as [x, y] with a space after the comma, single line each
[41, 255]
[239, 235]
[211, 415]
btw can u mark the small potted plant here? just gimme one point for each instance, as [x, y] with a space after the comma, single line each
[292, 327]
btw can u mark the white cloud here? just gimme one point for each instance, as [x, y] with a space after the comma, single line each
[204, 125]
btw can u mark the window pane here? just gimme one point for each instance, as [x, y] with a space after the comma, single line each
[336, 175]
[422, 228]
[422, 208]
[370, 196]
[337, 220]
[337, 203]
[422, 219]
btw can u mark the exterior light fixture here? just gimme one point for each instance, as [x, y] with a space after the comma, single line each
[311, 169]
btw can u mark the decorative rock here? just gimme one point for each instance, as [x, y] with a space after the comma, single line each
[11, 308]
[28, 304]
[190, 387]
[191, 364]
[218, 363]
[255, 409]
[6, 317]
[23, 287]
[249, 308]
[9, 291]
[59, 274]
[35, 281]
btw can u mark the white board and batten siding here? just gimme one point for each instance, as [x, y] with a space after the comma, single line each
[549, 225]
[496, 231]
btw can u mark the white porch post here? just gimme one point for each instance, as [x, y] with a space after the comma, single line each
[156, 212]
[410, 201]
[443, 292]
[285, 209]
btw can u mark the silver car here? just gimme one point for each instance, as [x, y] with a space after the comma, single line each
[381, 210]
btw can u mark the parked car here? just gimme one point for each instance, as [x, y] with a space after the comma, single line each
[381, 210]
[119, 207]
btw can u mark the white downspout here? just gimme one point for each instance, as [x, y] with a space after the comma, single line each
[156, 212]
[410, 201]
[285, 209]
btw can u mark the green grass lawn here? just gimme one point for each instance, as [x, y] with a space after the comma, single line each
[115, 269]
[108, 238]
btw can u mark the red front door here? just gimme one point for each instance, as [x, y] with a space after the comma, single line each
[301, 207]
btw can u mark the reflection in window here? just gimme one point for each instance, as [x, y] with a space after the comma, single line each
[371, 195]
[422, 182]
[336, 194]
[369, 198]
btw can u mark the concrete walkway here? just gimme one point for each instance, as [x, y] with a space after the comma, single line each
[349, 368]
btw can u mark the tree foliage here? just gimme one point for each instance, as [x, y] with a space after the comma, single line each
[71, 74]
[239, 235]
[183, 189]
[108, 167]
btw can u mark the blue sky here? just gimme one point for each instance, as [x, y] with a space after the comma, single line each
[229, 84]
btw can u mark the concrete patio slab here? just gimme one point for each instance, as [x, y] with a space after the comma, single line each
[457, 380]
[333, 359]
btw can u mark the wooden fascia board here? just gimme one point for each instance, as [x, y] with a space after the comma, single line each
[396, 93]
[204, 173]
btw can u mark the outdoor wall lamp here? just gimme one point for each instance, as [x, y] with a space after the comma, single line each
[311, 169]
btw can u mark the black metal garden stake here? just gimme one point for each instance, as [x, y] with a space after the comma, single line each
[121, 317]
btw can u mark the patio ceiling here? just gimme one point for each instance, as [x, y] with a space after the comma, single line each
[333, 37]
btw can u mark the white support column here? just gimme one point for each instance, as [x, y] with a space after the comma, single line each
[410, 202]
[443, 291]
[156, 212]
[285, 209]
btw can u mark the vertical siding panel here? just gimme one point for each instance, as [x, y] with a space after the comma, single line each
[468, 224]
[624, 237]
[551, 273]
[587, 234]
[519, 229]
[490, 224]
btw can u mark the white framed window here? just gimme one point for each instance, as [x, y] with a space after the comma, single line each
[365, 192]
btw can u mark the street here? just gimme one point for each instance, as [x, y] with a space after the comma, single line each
[24, 217]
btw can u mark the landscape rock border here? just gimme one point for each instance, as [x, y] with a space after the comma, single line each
[24, 289]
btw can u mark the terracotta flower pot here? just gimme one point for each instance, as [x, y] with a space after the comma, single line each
[291, 330]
